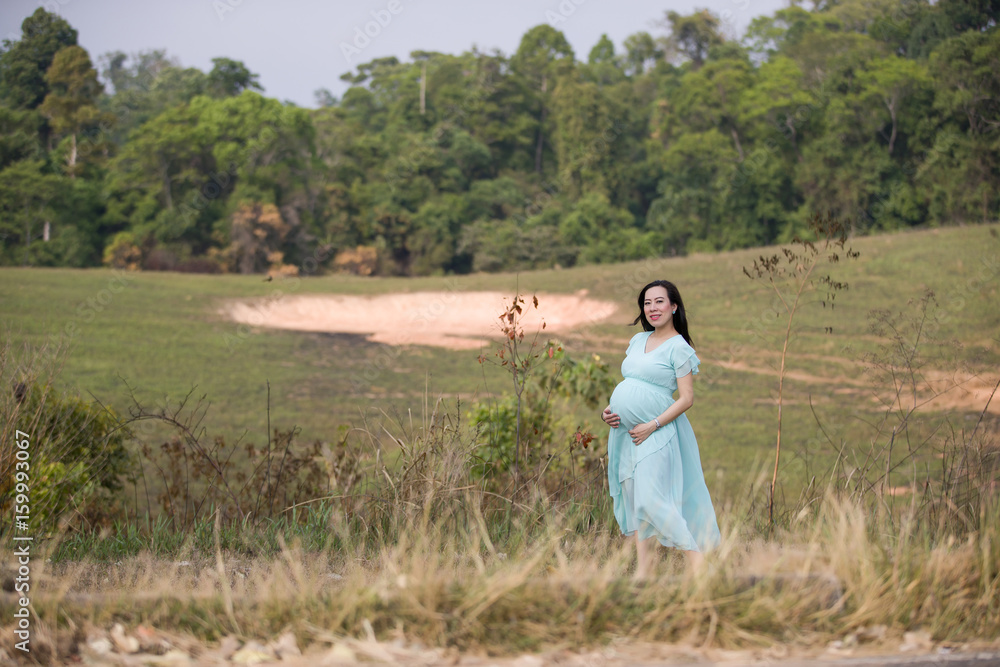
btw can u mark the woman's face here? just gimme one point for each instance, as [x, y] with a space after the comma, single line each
[657, 307]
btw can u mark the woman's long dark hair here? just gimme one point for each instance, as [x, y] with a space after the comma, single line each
[680, 317]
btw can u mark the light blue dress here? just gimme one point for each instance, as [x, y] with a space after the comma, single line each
[658, 488]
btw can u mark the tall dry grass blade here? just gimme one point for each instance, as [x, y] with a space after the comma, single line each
[220, 568]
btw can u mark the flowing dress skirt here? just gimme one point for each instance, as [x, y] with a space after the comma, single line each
[658, 488]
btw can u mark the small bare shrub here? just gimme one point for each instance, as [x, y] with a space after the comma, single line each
[791, 276]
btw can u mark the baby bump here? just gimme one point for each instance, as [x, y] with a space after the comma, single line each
[636, 401]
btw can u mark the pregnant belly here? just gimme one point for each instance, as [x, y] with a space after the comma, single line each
[636, 402]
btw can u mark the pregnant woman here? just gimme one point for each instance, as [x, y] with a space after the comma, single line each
[654, 468]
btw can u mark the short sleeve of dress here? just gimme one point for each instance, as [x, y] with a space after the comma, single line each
[632, 342]
[684, 360]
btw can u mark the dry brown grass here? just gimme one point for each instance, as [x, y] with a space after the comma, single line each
[832, 577]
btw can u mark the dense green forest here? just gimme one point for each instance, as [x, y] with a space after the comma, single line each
[883, 113]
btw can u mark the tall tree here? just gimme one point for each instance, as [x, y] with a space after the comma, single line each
[324, 98]
[603, 67]
[770, 35]
[71, 105]
[641, 53]
[845, 167]
[961, 170]
[229, 78]
[162, 161]
[26, 205]
[18, 135]
[976, 15]
[778, 105]
[887, 85]
[690, 213]
[603, 51]
[24, 63]
[144, 85]
[711, 97]
[692, 36]
[588, 129]
[543, 55]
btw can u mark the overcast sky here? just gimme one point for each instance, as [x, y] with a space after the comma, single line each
[298, 46]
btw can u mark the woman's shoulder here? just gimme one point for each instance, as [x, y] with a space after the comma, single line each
[641, 336]
[679, 343]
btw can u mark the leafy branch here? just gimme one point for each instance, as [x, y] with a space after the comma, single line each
[518, 359]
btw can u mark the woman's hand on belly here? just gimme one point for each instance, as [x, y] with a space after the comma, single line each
[610, 418]
[641, 431]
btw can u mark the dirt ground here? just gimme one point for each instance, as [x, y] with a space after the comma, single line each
[456, 320]
[143, 646]
[630, 653]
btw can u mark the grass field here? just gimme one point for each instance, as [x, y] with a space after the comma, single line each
[424, 564]
[161, 334]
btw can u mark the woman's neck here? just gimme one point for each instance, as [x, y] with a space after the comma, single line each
[663, 332]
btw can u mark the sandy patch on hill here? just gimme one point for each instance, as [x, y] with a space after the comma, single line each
[935, 390]
[456, 320]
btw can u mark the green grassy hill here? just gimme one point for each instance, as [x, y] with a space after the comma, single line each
[162, 334]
